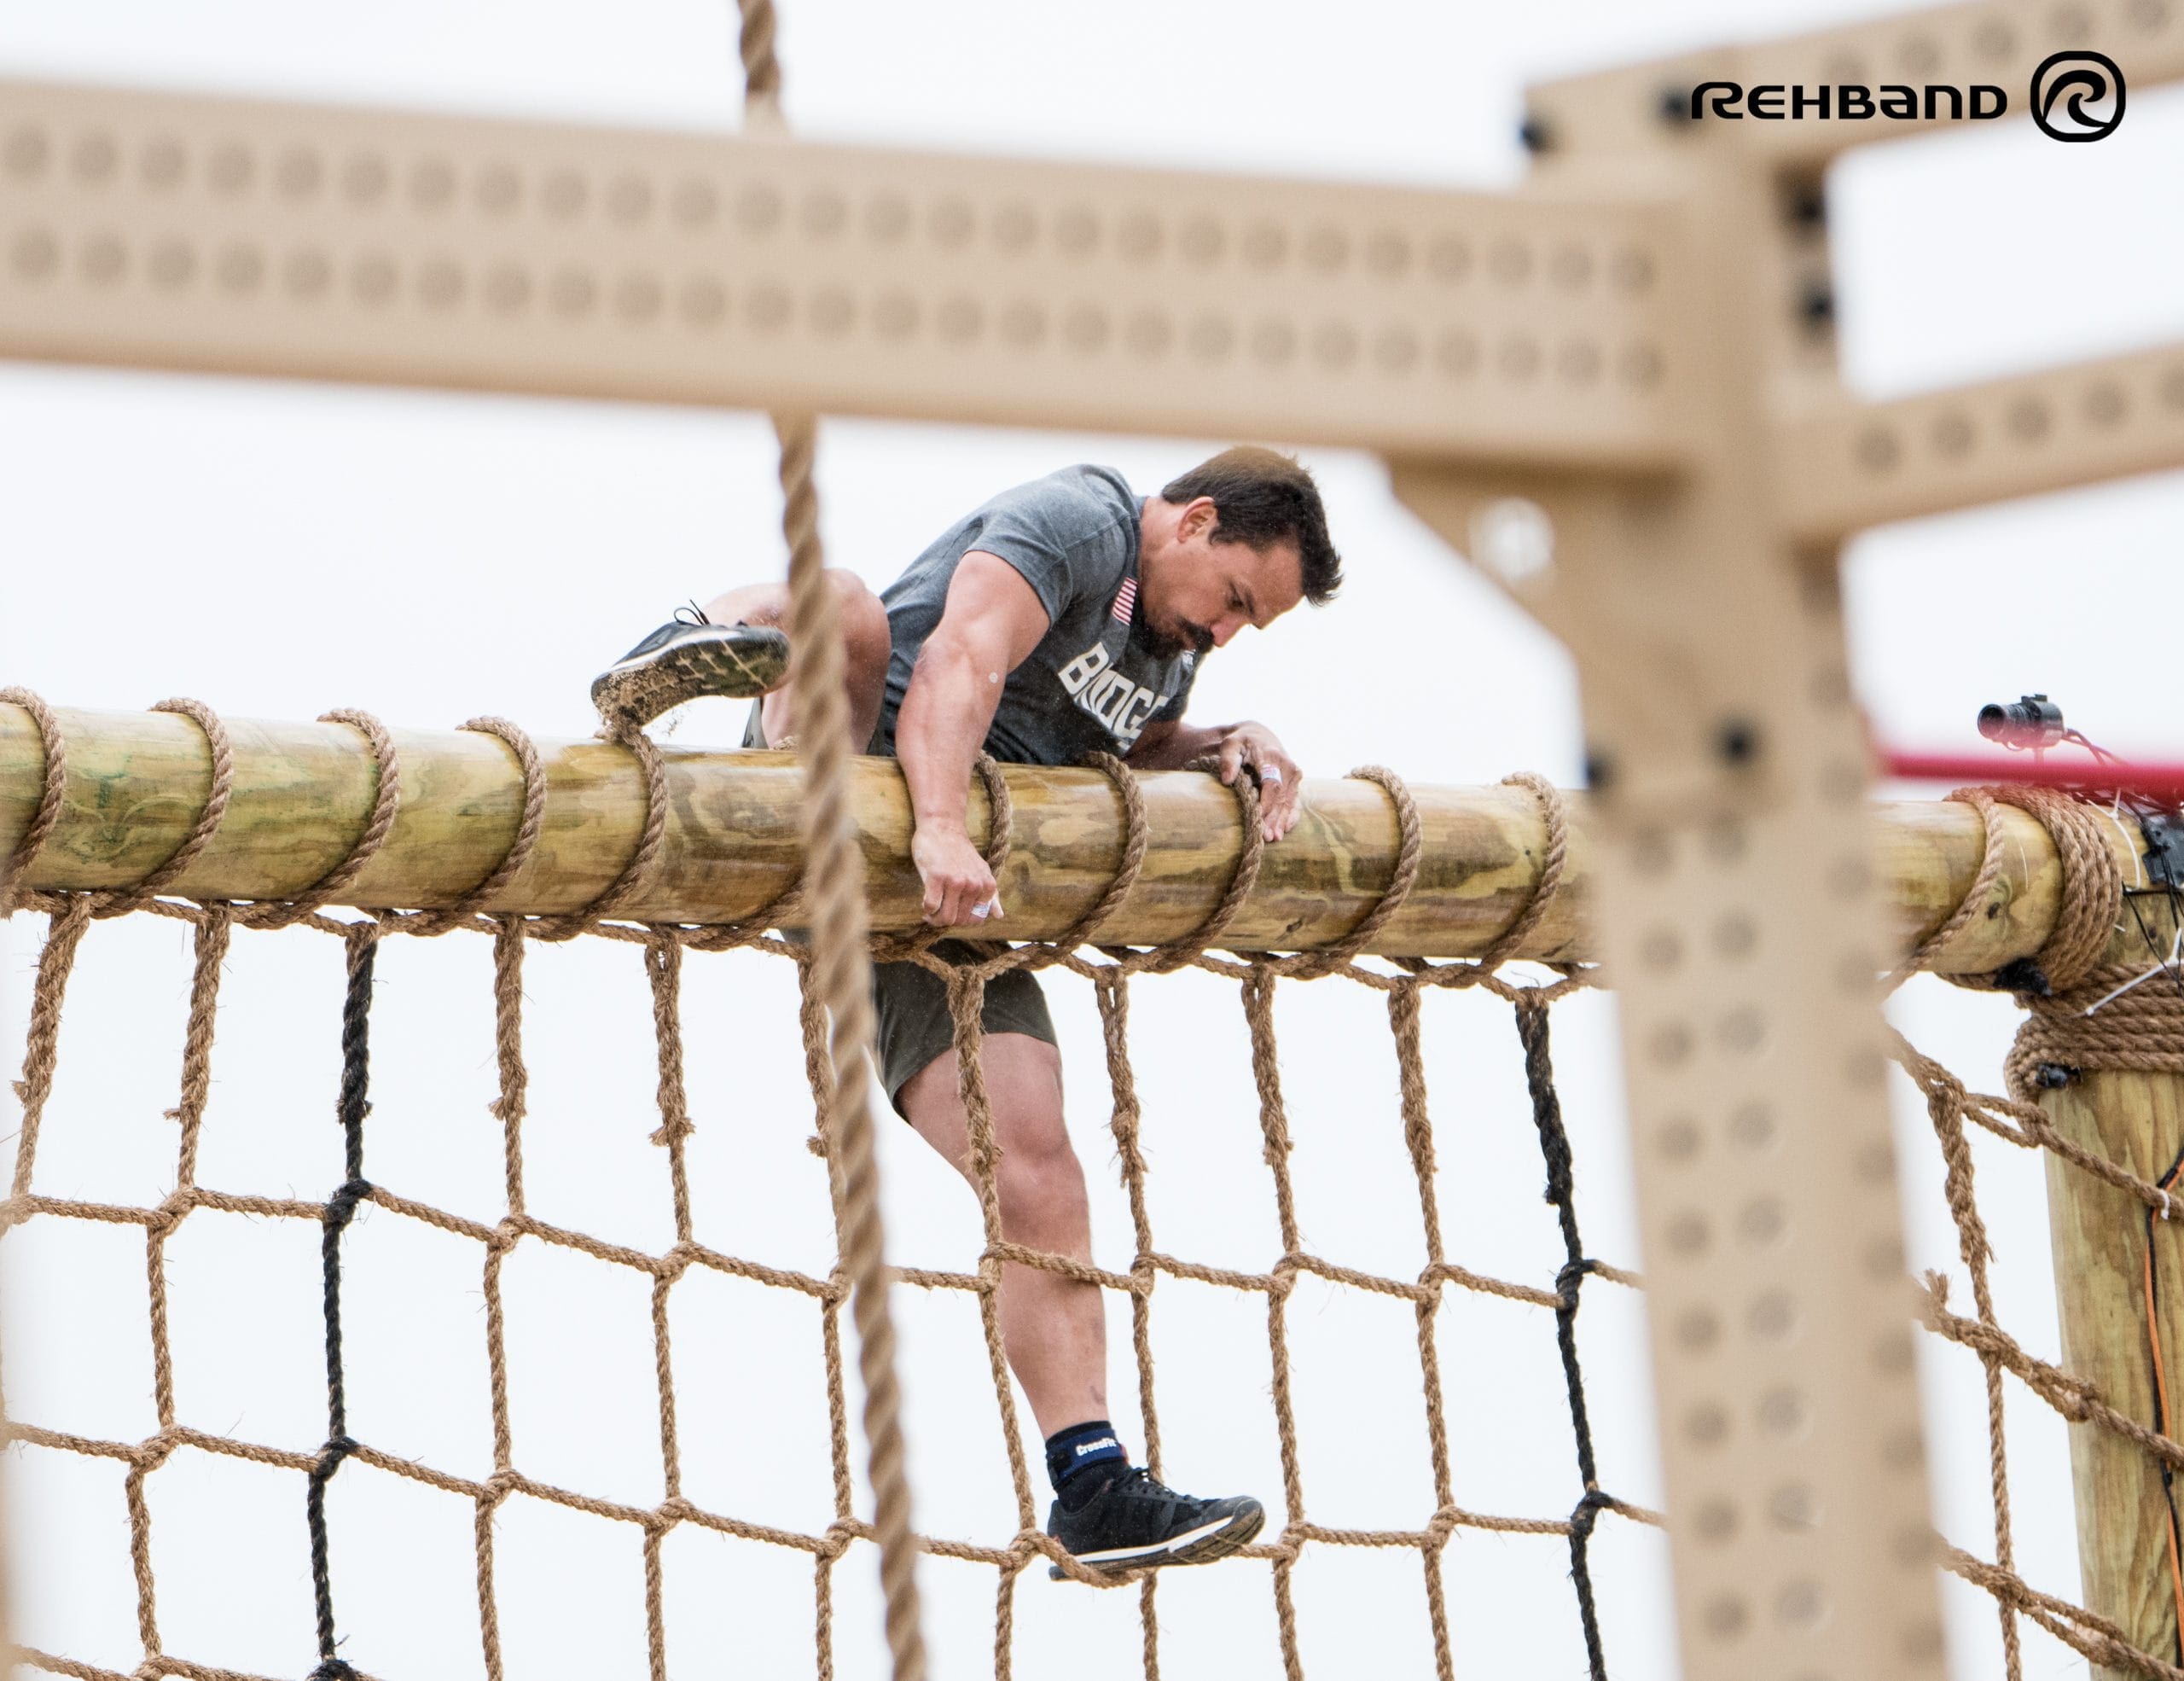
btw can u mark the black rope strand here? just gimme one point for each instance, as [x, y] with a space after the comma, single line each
[1554, 1147]
[355, 1104]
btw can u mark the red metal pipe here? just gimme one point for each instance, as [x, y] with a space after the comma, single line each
[2052, 769]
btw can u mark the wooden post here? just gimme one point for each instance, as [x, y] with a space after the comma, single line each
[2100, 1237]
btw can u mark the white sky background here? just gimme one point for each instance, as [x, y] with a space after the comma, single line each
[278, 550]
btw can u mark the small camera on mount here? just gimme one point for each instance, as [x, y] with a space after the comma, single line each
[2033, 721]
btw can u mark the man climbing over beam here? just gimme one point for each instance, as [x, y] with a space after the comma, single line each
[1065, 616]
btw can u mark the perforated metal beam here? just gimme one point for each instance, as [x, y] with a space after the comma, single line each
[1727, 753]
[1849, 465]
[1633, 107]
[218, 234]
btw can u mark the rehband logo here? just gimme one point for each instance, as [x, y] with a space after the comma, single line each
[2074, 80]
[1850, 101]
[2064, 88]
[1083, 1448]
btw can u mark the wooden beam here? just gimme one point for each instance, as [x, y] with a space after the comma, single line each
[137, 781]
[2100, 1237]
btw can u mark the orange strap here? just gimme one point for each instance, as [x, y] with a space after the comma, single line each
[2161, 1399]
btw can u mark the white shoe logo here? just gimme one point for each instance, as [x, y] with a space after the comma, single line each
[1094, 1448]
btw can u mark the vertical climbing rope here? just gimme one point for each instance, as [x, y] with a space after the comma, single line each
[841, 968]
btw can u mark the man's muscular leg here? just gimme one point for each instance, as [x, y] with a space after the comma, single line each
[865, 642]
[1054, 1329]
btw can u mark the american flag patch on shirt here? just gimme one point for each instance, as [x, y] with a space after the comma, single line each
[1126, 601]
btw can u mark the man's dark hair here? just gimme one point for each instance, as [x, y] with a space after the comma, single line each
[1262, 496]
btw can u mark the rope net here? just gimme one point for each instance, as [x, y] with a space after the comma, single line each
[2085, 1015]
[502, 1235]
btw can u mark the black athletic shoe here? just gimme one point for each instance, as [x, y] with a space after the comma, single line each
[687, 659]
[1135, 1523]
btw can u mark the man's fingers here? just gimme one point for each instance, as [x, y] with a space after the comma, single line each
[1231, 758]
[946, 904]
[963, 899]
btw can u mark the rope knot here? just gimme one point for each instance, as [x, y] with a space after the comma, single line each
[341, 1206]
[1945, 1093]
[170, 1214]
[337, 1449]
[1568, 1276]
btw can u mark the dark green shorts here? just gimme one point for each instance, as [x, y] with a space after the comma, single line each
[913, 1027]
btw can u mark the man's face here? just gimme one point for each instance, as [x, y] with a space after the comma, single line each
[1200, 593]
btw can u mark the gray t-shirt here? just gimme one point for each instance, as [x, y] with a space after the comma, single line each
[1090, 684]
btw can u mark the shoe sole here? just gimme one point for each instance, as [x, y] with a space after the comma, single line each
[1202, 1545]
[643, 687]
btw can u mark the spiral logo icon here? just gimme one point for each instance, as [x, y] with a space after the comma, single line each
[2065, 85]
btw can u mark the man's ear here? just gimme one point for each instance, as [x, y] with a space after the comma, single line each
[1201, 516]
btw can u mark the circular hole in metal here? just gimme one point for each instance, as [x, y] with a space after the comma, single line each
[1793, 1505]
[1514, 538]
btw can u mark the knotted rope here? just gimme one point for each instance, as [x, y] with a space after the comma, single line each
[2081, 1014]
[1110, 972]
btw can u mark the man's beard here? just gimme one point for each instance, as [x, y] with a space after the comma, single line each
[1151, 639]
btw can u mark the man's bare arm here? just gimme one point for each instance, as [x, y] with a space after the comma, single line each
[1169, 744]
[990, 624]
